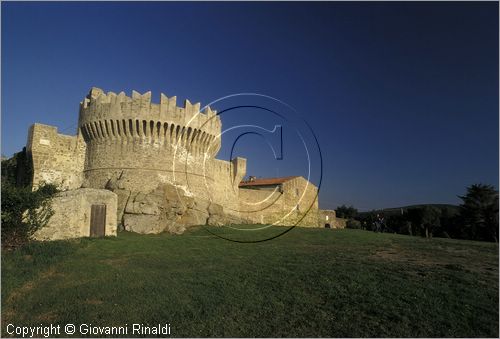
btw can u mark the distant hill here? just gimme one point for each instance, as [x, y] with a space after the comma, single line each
[453, 209]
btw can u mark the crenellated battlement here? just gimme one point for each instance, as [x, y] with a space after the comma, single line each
[110, 117]
[100, 105]
[98, 97]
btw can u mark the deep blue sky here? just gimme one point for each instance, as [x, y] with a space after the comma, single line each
[403, 97]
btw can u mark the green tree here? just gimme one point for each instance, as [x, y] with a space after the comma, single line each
[479, 212]
[24, 211]
[426, 219]
[17, 170]
[346, 212]
[430, 221]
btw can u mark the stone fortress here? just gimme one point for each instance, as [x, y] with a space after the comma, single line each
[149, 168]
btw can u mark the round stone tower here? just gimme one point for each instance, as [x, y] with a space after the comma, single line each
[146, 144]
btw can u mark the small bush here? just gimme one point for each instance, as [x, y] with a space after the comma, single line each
[24, 212]
[354, 224]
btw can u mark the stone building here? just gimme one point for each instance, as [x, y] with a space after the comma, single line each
[328, 219]
[158, 160]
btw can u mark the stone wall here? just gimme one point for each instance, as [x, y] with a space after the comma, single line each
[297, 204]
[56, 158]
[167, 208]
[328, 219]
[223, 189]
[262, 206]
[71, 217]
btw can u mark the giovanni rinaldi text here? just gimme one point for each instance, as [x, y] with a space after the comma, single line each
[87, 329]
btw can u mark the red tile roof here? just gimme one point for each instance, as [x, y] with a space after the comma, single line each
[266, 181]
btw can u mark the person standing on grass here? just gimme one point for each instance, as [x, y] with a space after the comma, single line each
[382, 222]
[377, 224]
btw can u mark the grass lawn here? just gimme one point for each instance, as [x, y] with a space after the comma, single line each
[307, 283]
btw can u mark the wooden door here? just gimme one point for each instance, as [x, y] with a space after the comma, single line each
[98, 220]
